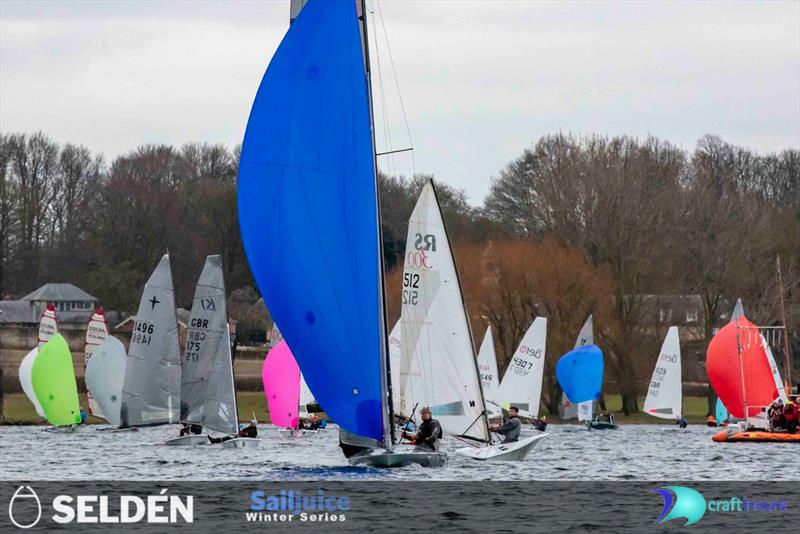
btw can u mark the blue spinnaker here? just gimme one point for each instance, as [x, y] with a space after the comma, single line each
[308, 213]
[721, 412]
[580, 373]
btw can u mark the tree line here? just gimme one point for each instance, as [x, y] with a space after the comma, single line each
[574, 225]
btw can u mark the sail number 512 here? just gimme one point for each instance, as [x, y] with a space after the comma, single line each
[410, 287]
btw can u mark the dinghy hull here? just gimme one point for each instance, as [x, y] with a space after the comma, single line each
[188, 441]
[601, 425]
[287, 433]
[504, 452]
[383, 459]
[755, 436]
[242, 443]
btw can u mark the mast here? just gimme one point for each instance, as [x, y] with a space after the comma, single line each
[787, 361]
[386, 381]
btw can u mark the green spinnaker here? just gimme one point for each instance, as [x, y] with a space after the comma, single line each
[53, 379]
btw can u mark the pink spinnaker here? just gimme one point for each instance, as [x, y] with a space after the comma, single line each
[281, 377]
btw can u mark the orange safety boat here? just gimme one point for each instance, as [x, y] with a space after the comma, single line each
[755, 436]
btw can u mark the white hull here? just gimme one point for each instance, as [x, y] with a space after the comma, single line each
[188, 441]
[504, 452]
[242, 443]
[401, 456]
[63, 429]
[287, 433]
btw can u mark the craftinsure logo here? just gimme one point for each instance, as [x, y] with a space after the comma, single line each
[26, 510]
[294, 505]
[681, 502]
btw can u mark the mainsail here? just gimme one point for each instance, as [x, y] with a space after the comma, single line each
[569, 410]
[435, 327]
[780, 391]
[487, 365]
[208, 395]
[281, 377]
[522, 381]
[307, 200]
[152, 386]
[665, 394]
[394, 366]
[48, 325]
[53, 379]
[105, 374]
[96, 333]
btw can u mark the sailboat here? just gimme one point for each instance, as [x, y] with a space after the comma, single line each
[437, 337]
[721, 416]
[522, 382]
[490, 378]
[152, 384]
[105, 375]
[96, 333]
[740, 371]
[665, 393]
[570, 410]
[309, 217]
[208, 391]
[282, 387]
[580, 375]
[306, 397]
[52, 378]
[48, 327]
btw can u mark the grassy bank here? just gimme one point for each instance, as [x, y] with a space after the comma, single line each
[18, 410]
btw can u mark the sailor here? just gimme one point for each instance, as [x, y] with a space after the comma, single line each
[682, 422]
[314, 424]
[429, 432]
[249, 431]
[511, 427]
[775, 413]
[189, 429]
[541, 424]
[83, 417]
[790, 414]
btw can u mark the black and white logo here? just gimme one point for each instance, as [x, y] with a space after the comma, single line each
[22, 508]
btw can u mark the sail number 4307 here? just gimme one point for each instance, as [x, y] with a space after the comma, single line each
[410, 286]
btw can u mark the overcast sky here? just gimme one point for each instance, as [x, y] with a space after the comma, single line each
[481, 80]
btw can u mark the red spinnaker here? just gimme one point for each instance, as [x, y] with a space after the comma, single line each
[725, 369]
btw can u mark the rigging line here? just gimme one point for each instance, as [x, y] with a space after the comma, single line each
[387, 134]
[397, 86]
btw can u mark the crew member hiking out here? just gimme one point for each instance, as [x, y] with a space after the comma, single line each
[510, 429]
[429, 432]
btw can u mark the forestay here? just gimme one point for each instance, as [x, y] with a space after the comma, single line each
[308, 213]
[105, 374]
[208, 396]
[96, 333]
[665, 394]
[435, 329]
[522, 381]
[152, 386]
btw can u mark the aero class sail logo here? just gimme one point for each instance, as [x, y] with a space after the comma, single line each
[681, 502]
[25, 498]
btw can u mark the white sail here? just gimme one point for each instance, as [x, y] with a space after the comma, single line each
[569, 410]
[105, 374]
[776, 374]
[208, 395]
[665, 394]
[48, 325]
[585, 411]
[274, 338]
[487, 365]
[435, 328]
[25, 368]
[96, 333]
[394, 366]
[522, 381]
[306, 397]
[152, 387]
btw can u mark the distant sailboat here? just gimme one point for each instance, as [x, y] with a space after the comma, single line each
[53, 379]
[105, 375]
[48, 327]
[282, 387]
[309, 155]
[96, 333]
[208, 389]
[665, 394]
[437, 337]
[580, 374]
[490, 378]
[569, 410]
[721, 413]
[522, 381]
[306, 396]
[152, 384]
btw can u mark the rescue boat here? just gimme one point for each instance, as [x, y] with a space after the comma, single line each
[755, 436]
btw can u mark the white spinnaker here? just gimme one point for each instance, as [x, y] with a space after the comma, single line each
[487, 365]
[48, 325]
[105, 374]
[435, 328]
[96, 333]
[25, 368]
[665, 394]
[585, 337]
[585, 410]
[522, 381]
[776, 374]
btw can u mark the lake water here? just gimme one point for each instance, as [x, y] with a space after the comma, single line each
[571, 452]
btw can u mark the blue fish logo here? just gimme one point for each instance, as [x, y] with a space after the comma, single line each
[681, 502]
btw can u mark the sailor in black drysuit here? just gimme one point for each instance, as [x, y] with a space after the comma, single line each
[511, 427]
[429, 432]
